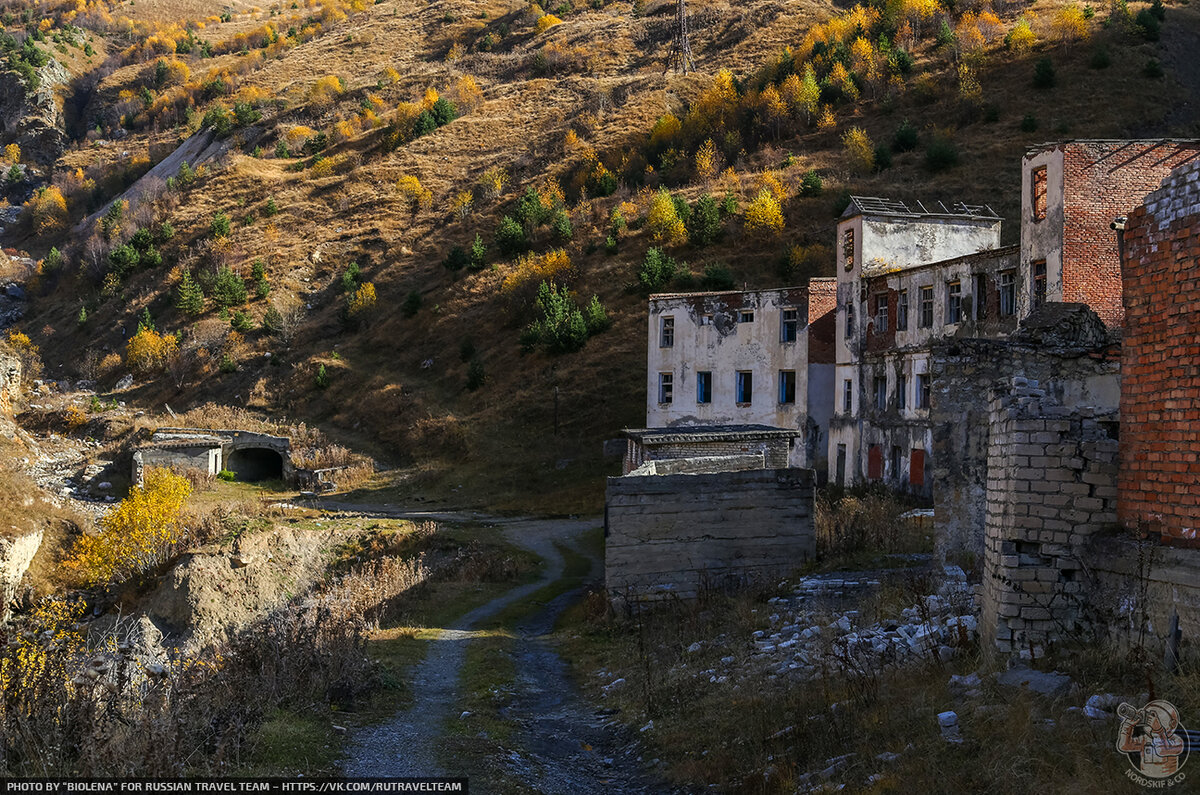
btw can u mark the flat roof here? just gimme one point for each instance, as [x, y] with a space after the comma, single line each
[879, 205]
[702, 433]
[871, 272]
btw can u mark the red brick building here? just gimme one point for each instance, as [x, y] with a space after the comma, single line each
[1071, 191]
[1159, 481]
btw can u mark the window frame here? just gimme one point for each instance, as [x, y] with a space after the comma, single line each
[666, 332]
[925, 302]
[848, 395]
[880, 385]
[1038, 283]
[1039, 186]
[924, 390]
[980, 295]
[954, 313]
[704, 387]
[901, 392]
[881, 312]
[902, 310]
[789, 327]
[1008, 292]
[743, 391]
[666, 388]
[786, 384]
[745, 316]
[848, 248]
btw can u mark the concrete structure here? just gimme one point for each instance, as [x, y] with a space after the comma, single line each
[775, 447]
[1065, 348]
[679, 535]
[737, 358]
[1160, 395]
[250, 456]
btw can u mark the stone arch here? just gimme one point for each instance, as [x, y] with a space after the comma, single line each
[255, 463]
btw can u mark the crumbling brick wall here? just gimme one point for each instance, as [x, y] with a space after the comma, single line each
[1063, 347]
[1101, 180]
[1051, 487]
[1160, 389]
[679, 534]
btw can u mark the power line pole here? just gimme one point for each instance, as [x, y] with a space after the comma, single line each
[680, 56]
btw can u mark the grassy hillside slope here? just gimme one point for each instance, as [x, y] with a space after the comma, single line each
[551, 104]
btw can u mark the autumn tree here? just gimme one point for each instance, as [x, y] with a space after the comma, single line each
[763, 217]
[415, 195]
[663, 220]
[707, 160]
[46, 211]
[325, 91]
[137, 537]
[148, 351]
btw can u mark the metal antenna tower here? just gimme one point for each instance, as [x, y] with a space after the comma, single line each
[680, 56]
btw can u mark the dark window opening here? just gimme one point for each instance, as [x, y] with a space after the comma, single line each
[926, 307]
[745, 386]
[704, 387]
[787, 386]
[902, 311]
[1008, 293]
[953, 302]
[848, 249]
[789, 325]
[980, 296]
[1039, 283]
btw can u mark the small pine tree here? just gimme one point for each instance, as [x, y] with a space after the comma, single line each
[82, 318]
[510, 237]
[560, 227]
[273, 321]
[146, 321]
[475, 374]
[220, 225]
[657, 270]
[1043, 73]
[478, 253]
[190, 298]
[412, 304]
[322, 378]
[271, 208]
[704, 222]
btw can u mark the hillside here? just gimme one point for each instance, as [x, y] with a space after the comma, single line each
[321, 135]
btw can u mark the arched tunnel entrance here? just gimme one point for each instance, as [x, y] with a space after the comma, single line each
[255, 463]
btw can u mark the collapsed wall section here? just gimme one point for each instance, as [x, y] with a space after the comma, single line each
[682, 534]
[1051, 488]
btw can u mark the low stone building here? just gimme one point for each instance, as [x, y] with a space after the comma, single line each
[250, 456]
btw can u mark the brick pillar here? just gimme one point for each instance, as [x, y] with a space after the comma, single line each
[1051, 485]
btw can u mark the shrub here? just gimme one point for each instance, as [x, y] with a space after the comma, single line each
[1100, 58]
[227, 475]
[147, 351]
[546, 22]
[493, 182]
[219, 120]
[273, 320]
[657, 270]
[940, 153]
[412, 304]
[443, 111]
[229, 288]
[811, 184]
[46, 211]
[475, 374]
[1148, 24]
[1070, 23]
[763, 215]
[860, 151]
[123, 259]
[478, 254]
[321, 379]
[717, 277]
[1029, 123]
[1043, 73]
[663, 220]
[415, 195]
[595, 317]
[560, 327]
[456, 259]
[270, 208]
[883, 157]
[189, 297]
[424, 124]
[220, 225]
[241, 321]
[1153, 69]
[560, 227]
[1021, 38]
[362, 302]
[510, 237]
[905, 138]
[139, 536]
[704, 222]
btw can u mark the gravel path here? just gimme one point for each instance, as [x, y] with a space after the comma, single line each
[406, 745]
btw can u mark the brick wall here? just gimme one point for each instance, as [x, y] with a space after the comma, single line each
[1160, 388]
[1102, 180]
[679, 534]
[822, 321]
[1051, 488]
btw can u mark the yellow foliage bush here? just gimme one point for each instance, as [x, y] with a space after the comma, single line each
[12, 154]
[28, 353]
[467, 94]
[325, 91]
[860, 151]
[414, 194]
[141, 534]
[322, 168]
[663, 221]
[768, 181]
[296, 136]
[148, 351]
[708, 160]
[493, 182]
[1069, 24]
[76, 418]
[546, 22]
[430, 99]
[46, 210]
[827, 120]
[533, 269]
[363, 299]
[664, 132]
[1021, 38]
[460, 203]
[763, 215]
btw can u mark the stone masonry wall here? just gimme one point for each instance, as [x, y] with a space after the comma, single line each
[1051, 488]
[1160, 391]
[679, 534]
[1079, 370]
[775, 452]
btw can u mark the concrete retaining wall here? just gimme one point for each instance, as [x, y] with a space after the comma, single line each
[681, 534]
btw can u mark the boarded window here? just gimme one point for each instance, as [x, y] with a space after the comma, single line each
[1038, 197]
[875, 462]
[916, 467]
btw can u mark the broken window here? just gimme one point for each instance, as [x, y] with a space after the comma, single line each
[745, 386]
[849, 321]
[840, 472]
[787, 386]
[666, 387]
[706, 320]
[789, 325]
[926, 319]
[901, 392]
[880, 392]
[881, 313]
[894, 464]
[1039, 283]
[1038, 196]
[923, 391]
[1008, 293]
[746, 316]
[666, 337]
[953, 302]
[704, 387]
[980, 296]
[848, 249]
[902, 311]
[847, 395]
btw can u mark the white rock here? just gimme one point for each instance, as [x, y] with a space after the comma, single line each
[695, 647]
